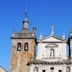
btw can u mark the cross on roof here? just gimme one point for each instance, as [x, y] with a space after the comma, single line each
[52, 32]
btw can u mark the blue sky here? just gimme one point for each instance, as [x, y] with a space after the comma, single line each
[42, 15]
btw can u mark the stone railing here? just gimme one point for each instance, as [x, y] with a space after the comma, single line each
[23, 35]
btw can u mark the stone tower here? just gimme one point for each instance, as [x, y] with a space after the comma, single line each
[70, 45]
[23, 48]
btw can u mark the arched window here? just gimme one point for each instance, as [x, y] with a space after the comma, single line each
[35, 69]
[68, 69]
[26, 46]
[60, 70]
[19, 46]
[43, 70]
[52, 53]
[52, 68]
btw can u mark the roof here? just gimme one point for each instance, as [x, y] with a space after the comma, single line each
[3, 69]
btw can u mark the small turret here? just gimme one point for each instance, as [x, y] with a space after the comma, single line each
[40, 36]
[63, 36]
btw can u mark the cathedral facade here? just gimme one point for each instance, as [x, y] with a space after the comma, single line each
[50, 56]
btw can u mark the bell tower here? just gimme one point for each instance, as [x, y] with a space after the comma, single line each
[70, 45]
[23, 48]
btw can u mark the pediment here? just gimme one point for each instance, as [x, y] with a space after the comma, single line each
[52, 39]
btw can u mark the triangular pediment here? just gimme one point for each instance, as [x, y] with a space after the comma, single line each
[52, 39]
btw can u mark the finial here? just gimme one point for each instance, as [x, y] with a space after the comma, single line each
[26, 17]
[25, 21]
[25, 14]
[26, 6]
[40, 36]
[52, 32]
[26, 11]
[34, 29]
[13, 30]
[63, 36]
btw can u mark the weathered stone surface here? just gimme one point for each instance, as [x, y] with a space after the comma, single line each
[20, 59]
